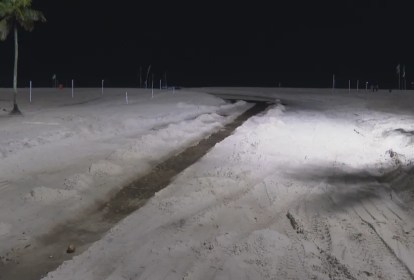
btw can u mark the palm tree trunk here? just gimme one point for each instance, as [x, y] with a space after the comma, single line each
[15, 110]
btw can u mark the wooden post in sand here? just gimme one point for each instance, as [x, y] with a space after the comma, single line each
[30, 92]
[152, 86]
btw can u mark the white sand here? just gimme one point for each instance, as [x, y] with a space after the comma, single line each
[320, 188]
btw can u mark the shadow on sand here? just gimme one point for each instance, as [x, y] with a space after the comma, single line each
[351, 187]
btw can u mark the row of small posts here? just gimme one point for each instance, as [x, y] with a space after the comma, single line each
[349, 85]
[102, 90]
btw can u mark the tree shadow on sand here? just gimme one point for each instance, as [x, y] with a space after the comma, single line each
[347, 188]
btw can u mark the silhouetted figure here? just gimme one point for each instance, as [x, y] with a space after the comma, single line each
[376, 86]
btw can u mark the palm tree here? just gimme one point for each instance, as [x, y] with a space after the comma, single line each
[15, 13]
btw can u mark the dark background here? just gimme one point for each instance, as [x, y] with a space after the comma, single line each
[204, 43]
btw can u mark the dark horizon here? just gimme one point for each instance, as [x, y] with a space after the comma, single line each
[299, 44]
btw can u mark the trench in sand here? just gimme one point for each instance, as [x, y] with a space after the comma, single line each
[49, 251]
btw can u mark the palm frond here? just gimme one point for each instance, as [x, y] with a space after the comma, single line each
[28, 17]
[34, 15]
[18, 12]
[5, 9]
[4, 29]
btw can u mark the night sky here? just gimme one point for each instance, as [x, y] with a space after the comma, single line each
[207, 43]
